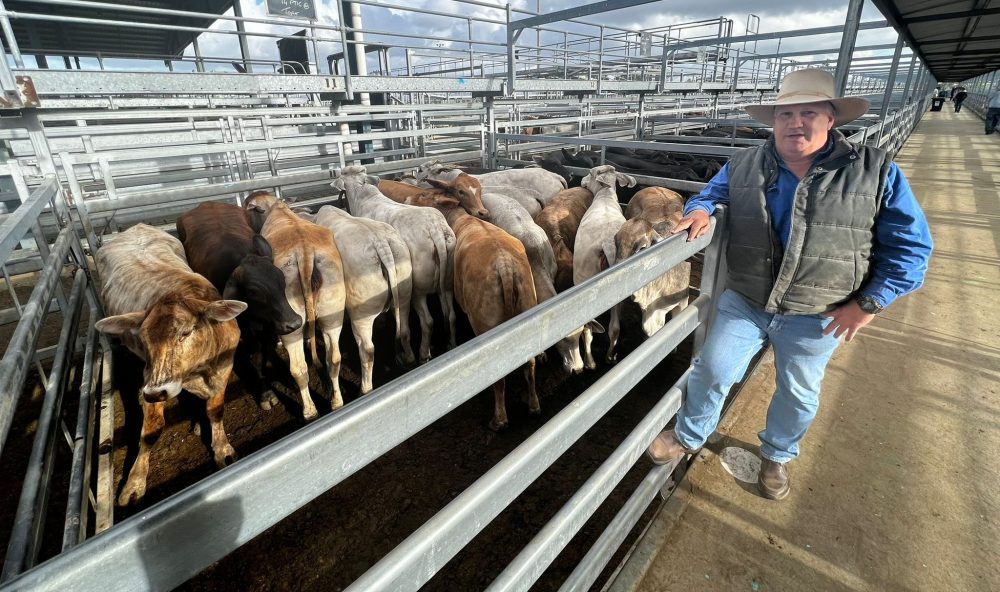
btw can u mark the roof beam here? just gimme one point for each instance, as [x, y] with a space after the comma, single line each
[966, 52]
[569, 13]
[948, 16]
[775, 35]
[962, 40]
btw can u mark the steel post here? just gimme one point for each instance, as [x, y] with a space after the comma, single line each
[847, 45]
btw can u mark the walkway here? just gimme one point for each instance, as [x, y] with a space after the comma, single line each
[898, 487]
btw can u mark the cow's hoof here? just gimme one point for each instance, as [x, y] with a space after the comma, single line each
[225, 456]
[542, 358]
[612, 358]
[590, 365]
[310, 415]
[424, 360]
[268, 400]
[535, 411]
[496, 426]
[132, 493]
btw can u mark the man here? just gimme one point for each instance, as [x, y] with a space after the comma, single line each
[959, 98]
[823, 235]
[993, 110]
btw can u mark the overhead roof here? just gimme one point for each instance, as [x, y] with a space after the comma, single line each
[48, 37]
[956, 39]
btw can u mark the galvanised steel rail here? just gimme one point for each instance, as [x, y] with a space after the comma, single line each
[176, 538]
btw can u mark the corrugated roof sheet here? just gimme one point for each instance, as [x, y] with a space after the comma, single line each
[82, 39]
[956, 39]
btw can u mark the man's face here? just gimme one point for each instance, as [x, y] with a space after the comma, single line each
[802, 129]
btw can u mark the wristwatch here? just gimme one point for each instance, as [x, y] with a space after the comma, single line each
[868, 304]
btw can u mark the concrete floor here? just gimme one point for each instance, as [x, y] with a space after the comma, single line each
[898, 484]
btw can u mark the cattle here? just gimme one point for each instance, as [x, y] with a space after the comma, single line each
[652, 215]
[378, 275]
[314, 286]
[177, 323]
[465, 188]
[220, 245]
[538, 181]
[560, 221]
[594, 247]
[428, 237]
[493, 284]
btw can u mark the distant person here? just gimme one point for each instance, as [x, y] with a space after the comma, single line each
[942, 92]
[993, 110]
[954, 89]
[959, 97]
[823, 235]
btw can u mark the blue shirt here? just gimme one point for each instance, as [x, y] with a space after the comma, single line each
[902, 239]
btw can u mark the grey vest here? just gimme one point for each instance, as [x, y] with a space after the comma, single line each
[832, 225]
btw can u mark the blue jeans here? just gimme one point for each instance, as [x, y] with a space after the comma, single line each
[992, 118]
[801, 353]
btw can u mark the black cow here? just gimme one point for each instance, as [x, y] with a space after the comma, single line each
[220, 245]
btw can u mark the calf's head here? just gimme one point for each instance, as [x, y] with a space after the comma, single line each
[179, 336]
[467, 190]
[256, 208]
[638, 234]
[261, 285]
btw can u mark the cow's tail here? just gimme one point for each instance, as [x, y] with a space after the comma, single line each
[388, 263]
[306, 265]
[445, 258]
[508, 287]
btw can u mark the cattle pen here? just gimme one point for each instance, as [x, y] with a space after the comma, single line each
[136, 112]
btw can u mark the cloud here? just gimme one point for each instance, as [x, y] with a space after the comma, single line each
[448, 33]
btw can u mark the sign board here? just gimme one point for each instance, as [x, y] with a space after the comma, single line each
[646, 44]
[303, 9]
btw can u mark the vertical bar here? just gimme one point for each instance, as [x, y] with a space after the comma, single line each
[345, 47]
[905, 99]
[25, 539]
[241, 32]
[8, 33]
[199, 63]
[600, 63]
[105, 494]
[75, 524]
[491, 125]
[713, 274]
[890, 84]
[847, 45]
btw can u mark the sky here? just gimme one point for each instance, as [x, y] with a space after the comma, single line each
[453, 31]
[447, 33]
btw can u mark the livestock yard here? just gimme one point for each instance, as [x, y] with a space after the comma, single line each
[323, 405]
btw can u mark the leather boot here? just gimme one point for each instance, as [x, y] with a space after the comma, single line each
[665, 447]
[772, 481]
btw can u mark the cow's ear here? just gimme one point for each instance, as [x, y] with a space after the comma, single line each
[261, 247]
[439, 184]
[663, 229]
[224, 310]
[446, 202]
[595, 327]
[120, 324]
[626, 180]
[338, 184]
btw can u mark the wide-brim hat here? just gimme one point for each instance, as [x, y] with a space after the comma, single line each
[810, 86]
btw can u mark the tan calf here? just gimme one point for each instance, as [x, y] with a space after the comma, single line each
[314, 286]
[560, 221]
[492, 284]
[464, 187]
[175, 320]
[652, 213]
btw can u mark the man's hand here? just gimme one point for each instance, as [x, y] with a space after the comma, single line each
[696, 223]
[848, 319]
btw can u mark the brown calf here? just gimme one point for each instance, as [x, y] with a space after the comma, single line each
[560, 221]
[464, 188]
[175, 320]
[493, 284]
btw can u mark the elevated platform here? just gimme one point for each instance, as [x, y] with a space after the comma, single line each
[898, 486]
